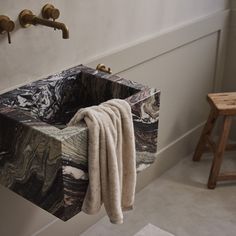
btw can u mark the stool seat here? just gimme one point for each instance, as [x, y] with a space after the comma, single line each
[225, 103]
[222, 104]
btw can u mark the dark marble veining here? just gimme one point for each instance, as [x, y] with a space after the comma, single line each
[46, 162]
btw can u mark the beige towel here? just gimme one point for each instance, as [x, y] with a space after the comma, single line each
[111, 158]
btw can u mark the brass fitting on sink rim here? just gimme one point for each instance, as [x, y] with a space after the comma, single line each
[103, 68]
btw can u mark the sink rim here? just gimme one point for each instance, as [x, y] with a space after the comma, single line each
[143, 92]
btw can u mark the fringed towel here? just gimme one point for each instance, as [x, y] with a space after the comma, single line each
[111, 158]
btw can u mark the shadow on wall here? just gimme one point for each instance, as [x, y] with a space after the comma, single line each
[20, 217]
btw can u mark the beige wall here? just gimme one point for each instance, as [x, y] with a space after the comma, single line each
[95, 27]
[162, 46]
[230, 68]
[230, 65]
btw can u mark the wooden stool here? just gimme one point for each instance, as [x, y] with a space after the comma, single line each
[222, 104]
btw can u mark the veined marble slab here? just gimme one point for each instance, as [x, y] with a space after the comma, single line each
[45, 161]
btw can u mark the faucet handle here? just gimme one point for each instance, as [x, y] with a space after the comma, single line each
[6, 26]
[50, 12]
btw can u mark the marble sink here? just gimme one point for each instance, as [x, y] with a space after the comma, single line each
[42, 159]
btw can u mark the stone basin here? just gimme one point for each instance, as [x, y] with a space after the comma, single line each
[42, 159]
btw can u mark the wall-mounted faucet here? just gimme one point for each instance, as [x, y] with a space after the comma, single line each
[27, 18]
[6, 26]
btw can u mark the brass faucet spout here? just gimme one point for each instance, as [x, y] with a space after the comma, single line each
[27, 18]
[52, 24]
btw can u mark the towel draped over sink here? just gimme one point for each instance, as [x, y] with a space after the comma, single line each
[111, 158]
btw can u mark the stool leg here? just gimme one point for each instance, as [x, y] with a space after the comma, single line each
[218, 155]
[206, 131]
